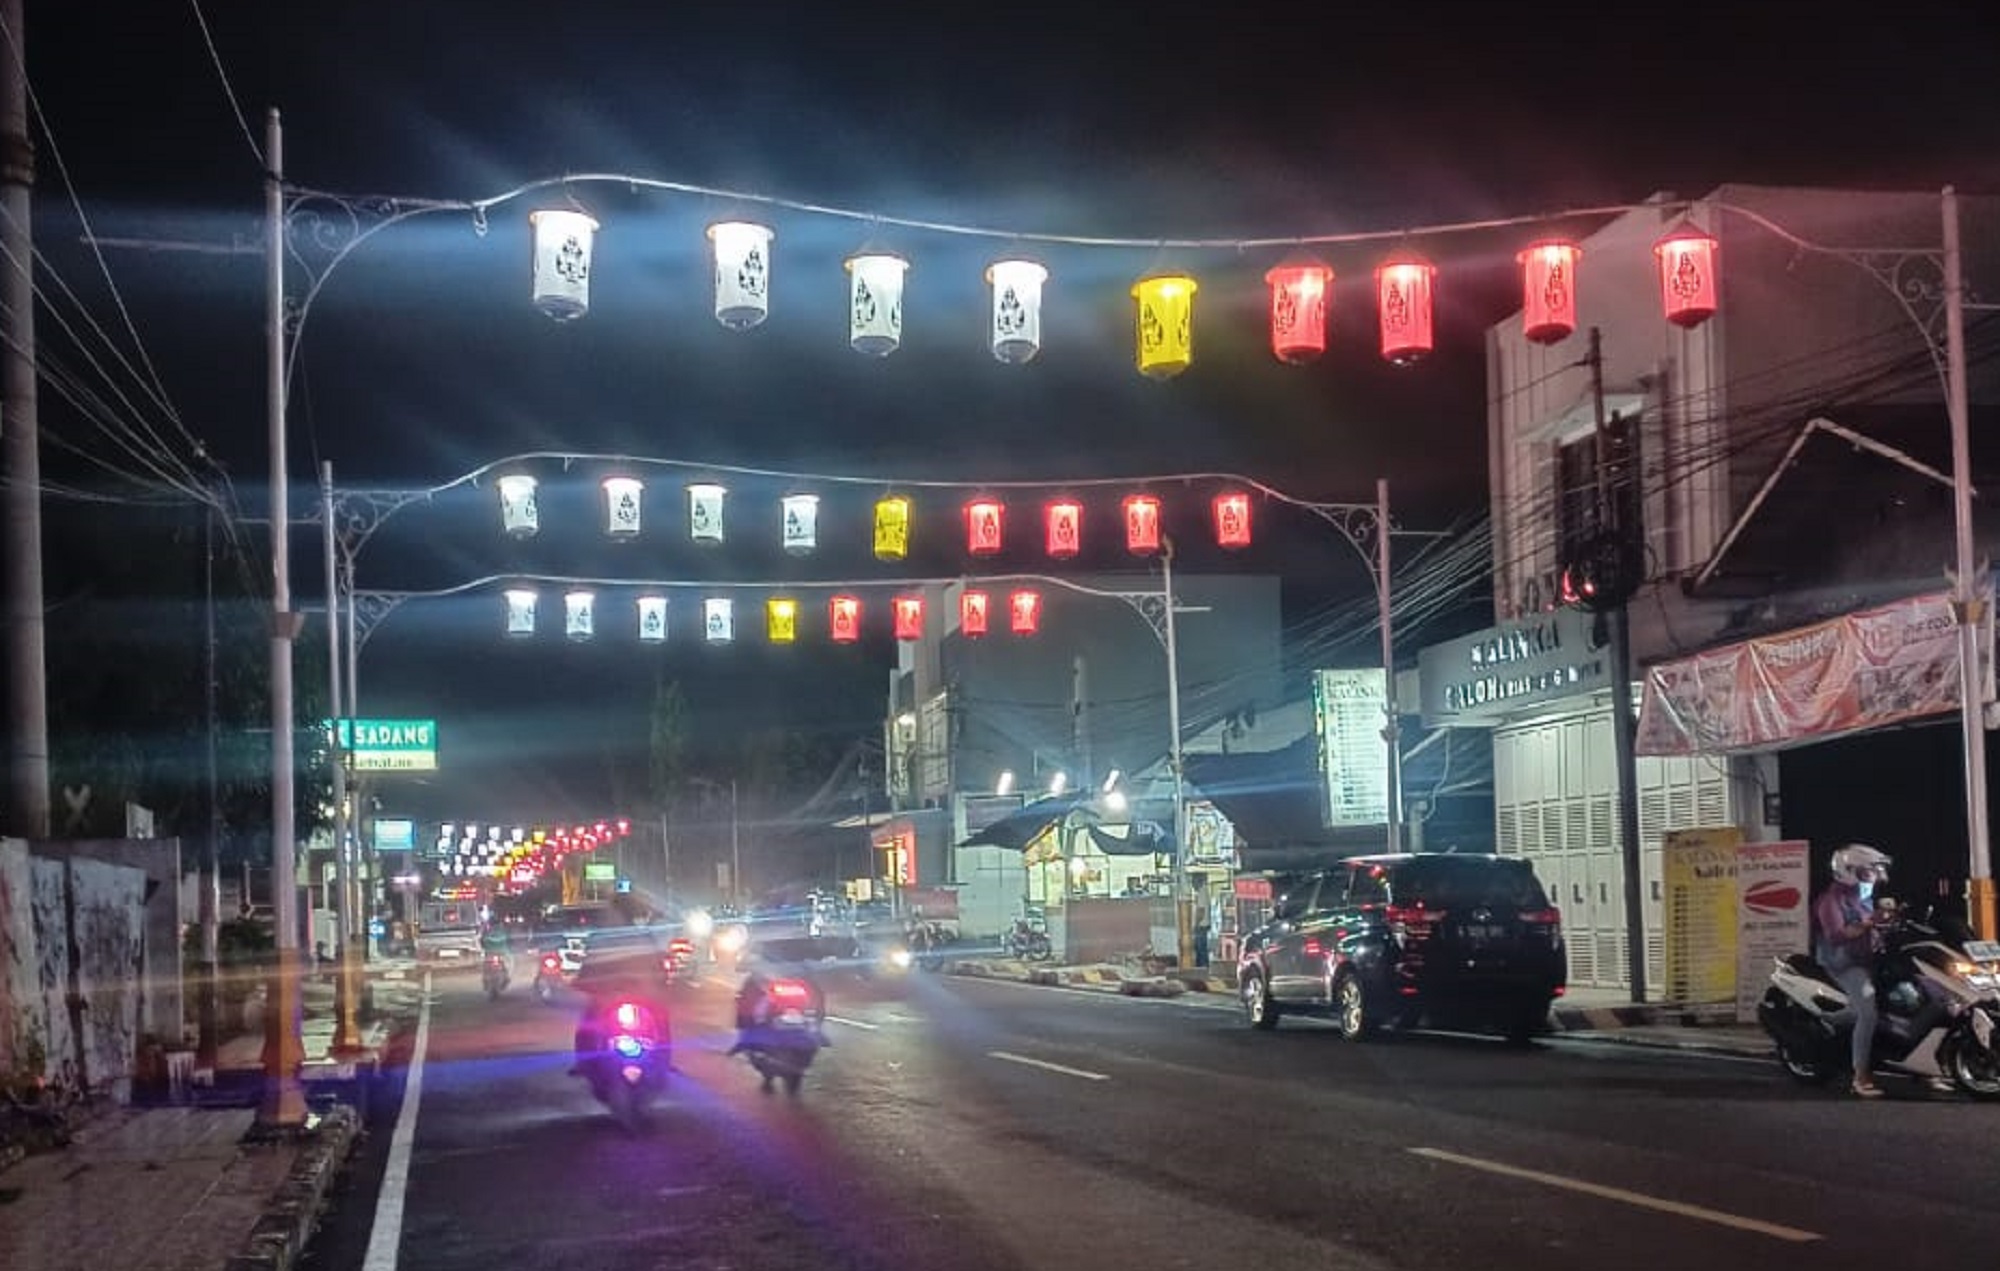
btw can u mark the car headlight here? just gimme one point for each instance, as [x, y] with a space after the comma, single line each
[900, 957]
[701, 924]
[732, 939]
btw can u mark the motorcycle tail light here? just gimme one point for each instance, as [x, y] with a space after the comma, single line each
[629, 1016]
[552, 962]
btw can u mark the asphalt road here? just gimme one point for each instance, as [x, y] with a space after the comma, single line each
[972, 1124]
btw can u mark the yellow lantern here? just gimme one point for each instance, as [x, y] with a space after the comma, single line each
[892, 527]
[781, 619]
[1166, 324]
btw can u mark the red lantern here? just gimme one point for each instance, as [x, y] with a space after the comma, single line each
[983, 521]
[1024, 609]
[1142, 524]
[1065, 522]
[972, 606]
[1298, 310]
[909, 617]
[1687, 274]
[843, 618]
[1403, 306]
[1232, 519]
[1548, 291]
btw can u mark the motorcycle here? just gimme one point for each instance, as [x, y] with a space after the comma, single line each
[1937, 994]
[548, 978]
[493, 975]
[1028, 943]
[782, 1026]
[625, 1056]
[680, 957]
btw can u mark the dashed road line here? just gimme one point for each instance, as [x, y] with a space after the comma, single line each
[1660, 1204]
[1044, 1064]
[853, 1023]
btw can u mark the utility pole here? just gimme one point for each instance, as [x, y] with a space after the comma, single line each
[1391, 717]
[207, 1041]
[356, 785]
[284, 1103]
[20, 450]
[1966, 588]
[1611, 529]
[1079, 710]
[735, 850]
[1183, 917]
[346, 1033]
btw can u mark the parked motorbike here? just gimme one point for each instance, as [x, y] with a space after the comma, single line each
[493, 975]
[625, 1055]
[782, 1027]
[1937, 995]
[1029, 943]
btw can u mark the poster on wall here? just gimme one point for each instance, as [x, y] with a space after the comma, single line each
[1348, 718]
[1701, 923]
[1773, 915]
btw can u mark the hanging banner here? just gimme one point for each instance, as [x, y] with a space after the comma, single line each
[1699, 868]
[1348, 716]
[1861, 670]
[1773, 915]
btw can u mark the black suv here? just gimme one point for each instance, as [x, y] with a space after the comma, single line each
[1409, 939]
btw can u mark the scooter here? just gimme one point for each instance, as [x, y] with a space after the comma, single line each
[1937, 995]
[493, 975]
[625, 1057]
[783, 1027]
[548, 978]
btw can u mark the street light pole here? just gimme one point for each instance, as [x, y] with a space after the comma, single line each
[1966, 599]
[1391, 717]
[346, 1035]
[284, 1103]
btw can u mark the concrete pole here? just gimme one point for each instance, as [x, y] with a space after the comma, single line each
[284, 1103]
[28, 791]
[347, 996]
[1391, 717]
[207, 1039]
[1967, 589]
[735, 850]
[363, 881]
[1183, 918]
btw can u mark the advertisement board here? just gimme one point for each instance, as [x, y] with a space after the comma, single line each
[395, 834]
[1349, 719]
[1699, 868]
[1774, 915]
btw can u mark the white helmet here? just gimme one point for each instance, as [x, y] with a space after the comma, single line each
[1847, 861]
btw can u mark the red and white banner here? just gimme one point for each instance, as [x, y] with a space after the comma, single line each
[1861, 670]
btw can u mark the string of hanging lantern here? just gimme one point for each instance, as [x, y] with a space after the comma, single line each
[797, 521]
[986, 605]
[1300, 287]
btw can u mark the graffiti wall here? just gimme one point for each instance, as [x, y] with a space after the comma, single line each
[107, 924]
[23, 1023]
[74, 942]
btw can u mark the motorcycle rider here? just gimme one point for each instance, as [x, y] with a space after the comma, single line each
[1845, 921]
[775, 960]
[626, 971]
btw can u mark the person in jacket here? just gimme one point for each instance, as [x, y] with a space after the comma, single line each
[1844, 925]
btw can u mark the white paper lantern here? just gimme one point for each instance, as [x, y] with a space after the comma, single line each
[801, 523]
[621, 506]
[579, 614]
[742, 273]
[562, 262]
[718, 619]
[1017, 309]
[652, 619]
[518, 514]
[875, 302]
[705, 512]
[520, 612]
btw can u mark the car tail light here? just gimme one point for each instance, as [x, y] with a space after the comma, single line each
[552, 962]
[1546, 922]
[1412, 923]
[792, 991]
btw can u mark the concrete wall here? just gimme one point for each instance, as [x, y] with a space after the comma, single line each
[162, 1005]
[23, 1030]
[1108, 930]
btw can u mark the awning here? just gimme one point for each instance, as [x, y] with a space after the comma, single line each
[1017, 831]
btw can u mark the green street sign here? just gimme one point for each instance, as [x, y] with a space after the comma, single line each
[600, 872]
[390, 745]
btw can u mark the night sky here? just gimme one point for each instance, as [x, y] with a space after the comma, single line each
[423, 358]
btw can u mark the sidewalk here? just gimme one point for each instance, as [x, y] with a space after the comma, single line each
[1584, 1014]
[200, 1187]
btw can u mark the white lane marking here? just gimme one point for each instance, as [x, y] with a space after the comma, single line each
[852, 1023]
[1064, 1069]
[1640, 1199]
[385, 1238]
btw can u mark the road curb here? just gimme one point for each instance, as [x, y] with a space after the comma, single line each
[279, 1239]
[1697, 1045]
